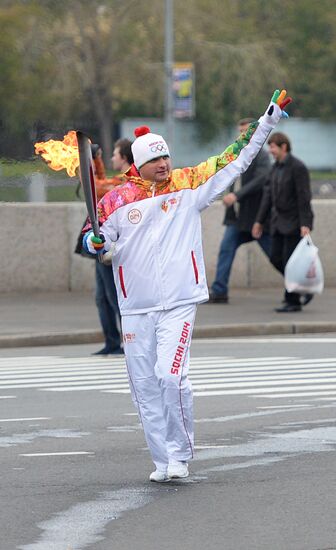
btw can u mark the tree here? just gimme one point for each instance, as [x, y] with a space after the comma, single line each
[66, 63]
[236, 68]
[107, 56]
[27, 74]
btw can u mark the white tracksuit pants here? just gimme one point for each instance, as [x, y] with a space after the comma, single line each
[157, 346]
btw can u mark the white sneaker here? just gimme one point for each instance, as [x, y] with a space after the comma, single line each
[177, 469]
[159, 477]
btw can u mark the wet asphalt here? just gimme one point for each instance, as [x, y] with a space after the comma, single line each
[74, 464]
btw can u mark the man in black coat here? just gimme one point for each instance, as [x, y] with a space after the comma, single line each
[241, 208]
[288, 197]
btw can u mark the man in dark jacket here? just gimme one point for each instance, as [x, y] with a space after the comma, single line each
[242, 205]
[288, 197]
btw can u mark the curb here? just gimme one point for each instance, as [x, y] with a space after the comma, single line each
[205, 331]
[51, 339]
[262, 329]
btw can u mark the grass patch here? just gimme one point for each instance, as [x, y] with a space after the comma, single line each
[14, 169]
[13, 194]
[60, 187]
[63, 193]
[319, 176]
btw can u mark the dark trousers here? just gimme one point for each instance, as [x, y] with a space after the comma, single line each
[282, 248]
[232, 240]
[107, 304]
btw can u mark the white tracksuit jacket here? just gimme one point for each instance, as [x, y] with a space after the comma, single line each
[158, 258]
[160, 277]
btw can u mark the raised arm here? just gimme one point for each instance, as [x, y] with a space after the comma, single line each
[211, 178]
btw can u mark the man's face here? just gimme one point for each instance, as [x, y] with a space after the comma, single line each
[117, 160]
[278, 152]
[157, 170]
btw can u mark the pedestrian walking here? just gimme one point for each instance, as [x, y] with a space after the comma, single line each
[287, 196]
[242, 204]
[153, 224]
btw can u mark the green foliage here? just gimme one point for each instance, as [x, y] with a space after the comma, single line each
[62, 193]
[58, 192]
[64, 63]
[304, 34]
[15, 169]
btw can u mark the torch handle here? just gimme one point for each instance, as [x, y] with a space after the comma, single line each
[95, 229]
[88, 182]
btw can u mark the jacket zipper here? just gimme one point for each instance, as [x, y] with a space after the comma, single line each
[156, 245]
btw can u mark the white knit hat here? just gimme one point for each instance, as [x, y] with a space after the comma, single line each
[147, 146]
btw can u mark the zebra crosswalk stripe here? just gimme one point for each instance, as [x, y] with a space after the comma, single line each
[274, 376]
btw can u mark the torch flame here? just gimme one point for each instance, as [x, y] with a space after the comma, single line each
[60, 154]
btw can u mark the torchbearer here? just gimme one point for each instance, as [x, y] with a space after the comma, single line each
[153, 222]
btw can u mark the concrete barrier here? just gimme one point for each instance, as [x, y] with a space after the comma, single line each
[38, 239]
[251, 269]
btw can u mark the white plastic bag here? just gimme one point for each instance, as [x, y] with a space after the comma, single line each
[303, 271]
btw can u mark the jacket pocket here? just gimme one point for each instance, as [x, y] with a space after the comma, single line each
[121, 280]
[193, 259]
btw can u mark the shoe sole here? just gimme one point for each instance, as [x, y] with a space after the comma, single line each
[290, 311]
[160, 481]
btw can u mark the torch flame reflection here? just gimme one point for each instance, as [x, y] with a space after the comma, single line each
[60, 154]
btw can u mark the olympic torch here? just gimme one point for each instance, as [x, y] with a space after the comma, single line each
[73, 151]
[88, 182]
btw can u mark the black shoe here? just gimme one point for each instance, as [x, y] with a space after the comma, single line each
[117, 351]
[218, 298]
[103, 351]
[107, 351]
[288, 308]
[307, 298]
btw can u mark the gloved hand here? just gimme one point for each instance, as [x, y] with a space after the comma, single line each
[93, 244]
[98, 242]
[279, 99]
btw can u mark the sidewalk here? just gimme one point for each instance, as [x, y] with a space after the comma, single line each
[71, 318]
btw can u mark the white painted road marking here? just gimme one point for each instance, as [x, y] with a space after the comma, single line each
[272, 376]
[7, 396]
[70, 453]
[82, 525]
[271, 340]
[24, 419]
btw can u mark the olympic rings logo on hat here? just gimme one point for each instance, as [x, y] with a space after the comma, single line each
[160, 148]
